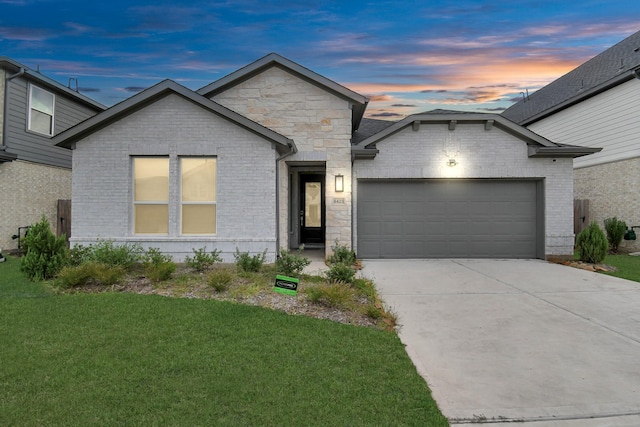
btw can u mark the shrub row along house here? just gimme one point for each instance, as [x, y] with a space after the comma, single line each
[275, 155]
[34, 173]
[596, 105]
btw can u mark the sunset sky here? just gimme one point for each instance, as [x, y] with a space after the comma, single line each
[407, 56]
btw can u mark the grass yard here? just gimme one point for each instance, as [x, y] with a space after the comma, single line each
[628, 266]
[120, 358]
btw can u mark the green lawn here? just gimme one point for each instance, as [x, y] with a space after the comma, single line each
[628, 266]
[127, 359]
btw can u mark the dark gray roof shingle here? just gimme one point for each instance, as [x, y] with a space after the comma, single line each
[611, 67]
[369, 127]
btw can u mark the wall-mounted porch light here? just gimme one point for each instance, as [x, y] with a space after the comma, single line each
[339, 183]
[451, 162]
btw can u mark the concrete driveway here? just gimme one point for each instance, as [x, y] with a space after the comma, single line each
[505, 340]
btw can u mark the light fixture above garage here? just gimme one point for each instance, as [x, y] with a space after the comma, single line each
[339, 183]
[450, 145]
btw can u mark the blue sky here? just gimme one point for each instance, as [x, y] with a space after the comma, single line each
[407, 56]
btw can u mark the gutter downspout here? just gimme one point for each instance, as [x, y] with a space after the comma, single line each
[292, 150]
[5, 126]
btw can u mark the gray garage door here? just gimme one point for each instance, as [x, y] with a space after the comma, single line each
[449, 219]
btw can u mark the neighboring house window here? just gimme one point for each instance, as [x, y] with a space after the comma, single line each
[41, 107]
[151, 195]
[198, 195]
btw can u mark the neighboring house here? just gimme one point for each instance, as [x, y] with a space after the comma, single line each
[34, 173]
[596, 105]
[276, 156]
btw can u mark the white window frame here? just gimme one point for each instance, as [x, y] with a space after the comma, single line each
[30, 108]
[181, 203]
[135, 203]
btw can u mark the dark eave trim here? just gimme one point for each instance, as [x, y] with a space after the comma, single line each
[618, 80]
[41, 79]
[561, 151]
[364, 153]
[165, 88]
[453, 119]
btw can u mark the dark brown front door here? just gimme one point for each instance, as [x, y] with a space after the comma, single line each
[312, 211]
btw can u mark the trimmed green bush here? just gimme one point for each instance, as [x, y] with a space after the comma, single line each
[615, 229]
[331, 295]
[220, 279]
[45, 254]
[202, 260]
[342, 255]
[592, 244]
[89, 272]
[248, 263]
[158, 266]
[341, 273]
[290, 264]
[107, 252]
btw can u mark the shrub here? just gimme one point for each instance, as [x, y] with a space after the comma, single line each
[124, 255]
[158, 266]
[290, 264]
[592, 244]
[340, 272]
[342, 255]
[248, 263]
[201, 260]
[106, 275]
[73, 276]
[220, 279]
[85, 273]
[106, 252]
[45, 254]
[331, 295]
[615, 229]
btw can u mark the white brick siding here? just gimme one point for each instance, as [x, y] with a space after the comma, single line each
[482, 154]
[319, 123]
[172, 126]
[28, 190]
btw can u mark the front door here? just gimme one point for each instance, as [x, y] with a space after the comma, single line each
[312, 211]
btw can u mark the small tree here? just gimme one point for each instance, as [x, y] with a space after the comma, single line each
[592, 244]
[45, 254]
[615, 229]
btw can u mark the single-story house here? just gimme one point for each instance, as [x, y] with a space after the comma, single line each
[275, 156]
[596, 105]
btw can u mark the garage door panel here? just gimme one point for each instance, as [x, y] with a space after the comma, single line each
[447, 218]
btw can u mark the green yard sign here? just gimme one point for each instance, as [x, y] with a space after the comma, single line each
[286, 285]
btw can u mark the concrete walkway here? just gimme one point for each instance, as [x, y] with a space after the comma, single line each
[525, 340]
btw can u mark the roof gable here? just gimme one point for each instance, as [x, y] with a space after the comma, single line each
[614, 66]
[149, 96]
[358, 102]
[538, 146]
[32, 75]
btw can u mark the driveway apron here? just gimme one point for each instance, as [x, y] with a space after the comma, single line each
[526, 340]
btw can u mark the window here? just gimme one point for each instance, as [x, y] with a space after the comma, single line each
[151, 195]
[41, 105]
[198, 195]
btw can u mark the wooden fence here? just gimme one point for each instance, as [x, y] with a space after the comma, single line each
[64, 218]
[580, 215]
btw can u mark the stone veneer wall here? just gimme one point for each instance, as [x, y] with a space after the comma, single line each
[28, 190]
[613, 189]
[319, 123]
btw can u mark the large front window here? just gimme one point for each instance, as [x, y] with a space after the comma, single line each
[198, 195]
[41, 106]
[151, 195]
